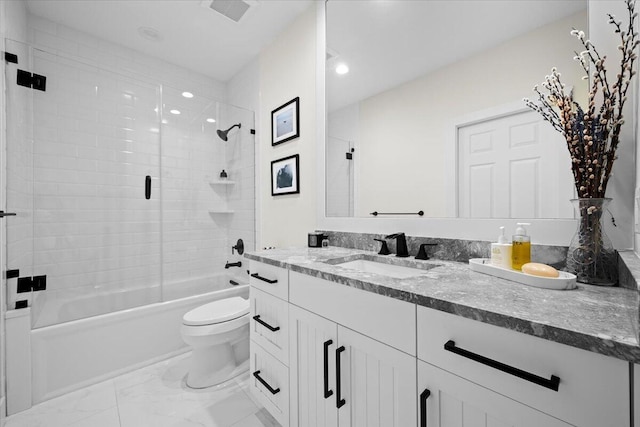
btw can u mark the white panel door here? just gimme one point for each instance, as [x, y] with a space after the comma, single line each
[377, 383]
[515, 166]
[313, 341]
[452, 401]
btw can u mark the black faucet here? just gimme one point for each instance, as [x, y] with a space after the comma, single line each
[384, 250]
[233, 264]
[422, 252]
[401, 244]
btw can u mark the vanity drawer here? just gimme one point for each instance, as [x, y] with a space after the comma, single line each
[269, 383]
[593, 389]
[270, 324]
[385, 319]
[270, 279]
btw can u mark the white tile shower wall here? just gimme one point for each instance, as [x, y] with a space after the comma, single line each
[192, 156]
[61, 39]
[95, 142]
[243, 91]
[96, 138]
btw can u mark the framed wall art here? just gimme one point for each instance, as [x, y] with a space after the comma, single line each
[285, 176]
[285, 122]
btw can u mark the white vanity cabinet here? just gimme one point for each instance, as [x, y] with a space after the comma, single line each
[447, 400]
[269, 343]
[581, 388]
[340, 376]
[332, 355]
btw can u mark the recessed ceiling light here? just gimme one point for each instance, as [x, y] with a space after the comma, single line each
[176, 112]
[342, 68]
[187, 94]
[150, 33]
[210, 120]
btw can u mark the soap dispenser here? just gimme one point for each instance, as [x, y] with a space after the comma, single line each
[501, 251]
[521, 251]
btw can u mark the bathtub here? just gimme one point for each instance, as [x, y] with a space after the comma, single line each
[78, 353]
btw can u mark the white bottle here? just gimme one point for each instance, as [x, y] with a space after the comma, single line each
[501, 252]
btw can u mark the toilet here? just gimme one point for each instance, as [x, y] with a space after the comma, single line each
[218, 333]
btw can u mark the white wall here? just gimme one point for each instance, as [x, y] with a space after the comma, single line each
[288, 70]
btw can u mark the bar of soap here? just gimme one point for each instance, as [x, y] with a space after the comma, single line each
[537, 269]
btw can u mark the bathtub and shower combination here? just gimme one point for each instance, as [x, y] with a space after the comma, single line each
[121, 205]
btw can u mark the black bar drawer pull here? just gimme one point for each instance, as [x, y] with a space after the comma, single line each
[264, 383]
[3, 214]
[423, 407]
[264, 279]
[147, 187]
[339, 400]
[265, 324]
[552, 383]
[327, 392]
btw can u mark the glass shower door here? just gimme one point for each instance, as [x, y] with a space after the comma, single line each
[94, 184]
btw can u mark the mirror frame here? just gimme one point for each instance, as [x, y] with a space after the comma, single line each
[556, 232]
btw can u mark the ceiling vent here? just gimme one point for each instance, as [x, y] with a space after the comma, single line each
[232, 9]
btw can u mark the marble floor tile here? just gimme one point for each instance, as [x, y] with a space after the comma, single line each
[66, 410]
[153, 396]
[262, 418]
[108, 418]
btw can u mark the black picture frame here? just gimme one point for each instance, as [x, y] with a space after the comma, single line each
[285, 122]
[285, 175]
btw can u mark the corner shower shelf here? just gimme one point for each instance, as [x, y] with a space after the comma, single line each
[221, 211]
[223, 182]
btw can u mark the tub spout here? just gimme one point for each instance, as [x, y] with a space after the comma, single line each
[233, 264]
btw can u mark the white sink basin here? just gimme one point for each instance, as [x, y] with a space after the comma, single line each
[397, 271]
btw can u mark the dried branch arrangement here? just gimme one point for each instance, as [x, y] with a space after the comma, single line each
[592, 134]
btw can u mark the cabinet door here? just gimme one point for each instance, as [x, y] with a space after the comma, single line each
[312, 344]
[377, 383]
[455, 402]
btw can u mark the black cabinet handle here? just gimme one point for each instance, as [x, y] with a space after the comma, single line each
[339, 400]
[264, 383]
[327, 392]
[552, 383]
[3, 214]
[147, 187]
[264, 279]
[423, 407]
[265, 324]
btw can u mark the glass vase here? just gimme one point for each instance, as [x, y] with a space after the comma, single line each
[591, 256]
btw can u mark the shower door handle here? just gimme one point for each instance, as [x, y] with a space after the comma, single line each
[147, 187]
[3, 214]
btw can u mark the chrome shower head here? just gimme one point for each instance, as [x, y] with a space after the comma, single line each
[223, 133]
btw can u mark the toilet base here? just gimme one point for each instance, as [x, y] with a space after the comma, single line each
[210, 366]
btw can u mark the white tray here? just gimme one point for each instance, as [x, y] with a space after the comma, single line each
[564, 281]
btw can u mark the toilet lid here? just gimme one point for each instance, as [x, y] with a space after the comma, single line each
[217, 312]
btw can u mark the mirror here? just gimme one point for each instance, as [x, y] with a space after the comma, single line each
[433, 94]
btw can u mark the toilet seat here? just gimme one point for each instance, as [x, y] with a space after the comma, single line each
[216, 312]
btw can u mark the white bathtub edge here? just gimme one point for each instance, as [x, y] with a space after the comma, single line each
[73, 355]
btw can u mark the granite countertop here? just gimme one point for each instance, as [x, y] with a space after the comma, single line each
[598, 319]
